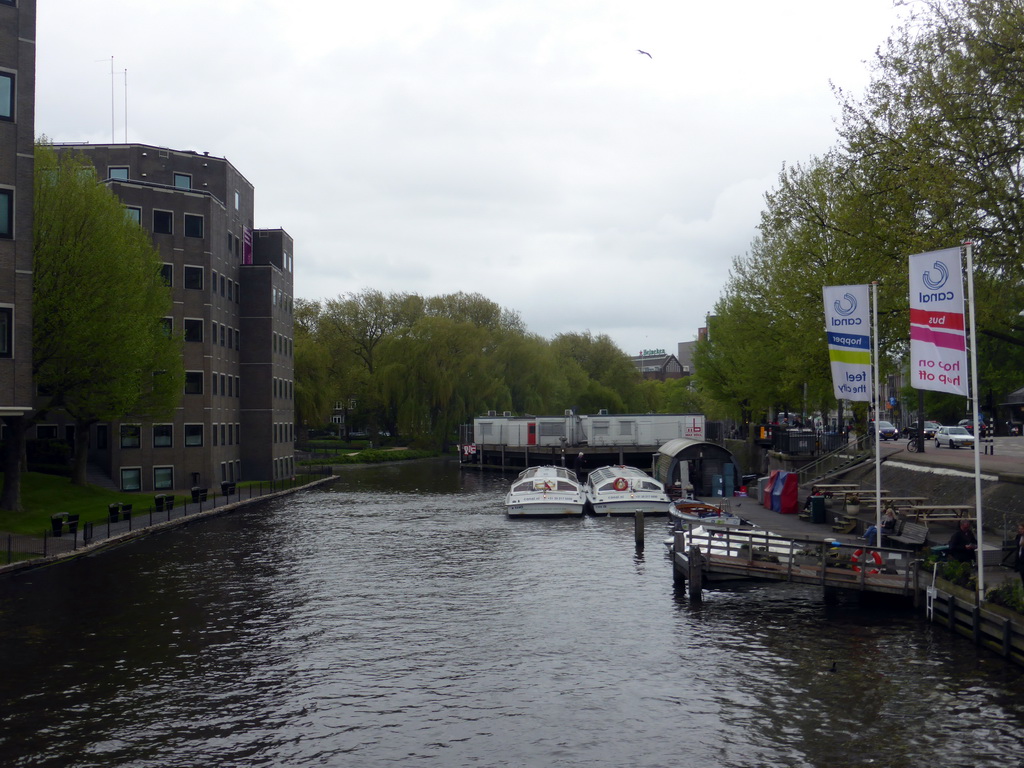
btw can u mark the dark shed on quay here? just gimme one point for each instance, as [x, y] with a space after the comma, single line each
[696, 462]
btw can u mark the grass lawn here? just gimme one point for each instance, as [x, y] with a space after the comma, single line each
[45, 495]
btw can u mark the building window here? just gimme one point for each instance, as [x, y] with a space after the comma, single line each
[193, 435]
[163, 435]
[167, 273]
[222, 285]
[117, 172]
[46, 431]
[222, 335]
[7, 213]
[237, 200]
[182, 181]
[213, 281]
[131, 478]
[6, 96]
[130, 435]
[222, 435]
[223, 390]
[193, 382]
[134, 214]
[7, 331]
[193, 329]
[163, 223]
[194, 278]
[193, 225]
[163, 478]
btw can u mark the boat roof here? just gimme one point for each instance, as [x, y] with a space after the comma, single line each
[548, 471]
[603, 473]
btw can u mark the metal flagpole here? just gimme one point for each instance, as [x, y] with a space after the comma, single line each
[972, 400]
[878, 458]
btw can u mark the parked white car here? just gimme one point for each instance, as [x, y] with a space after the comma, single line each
[954, 437]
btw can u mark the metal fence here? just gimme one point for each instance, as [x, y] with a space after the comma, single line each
[64, 536]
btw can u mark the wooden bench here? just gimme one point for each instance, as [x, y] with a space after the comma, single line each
[913, 535]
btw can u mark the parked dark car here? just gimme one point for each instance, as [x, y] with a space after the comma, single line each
[930, 428]
[886, 431]
[968, 424]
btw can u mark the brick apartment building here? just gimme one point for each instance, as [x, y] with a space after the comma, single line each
[17, 140]
[232, 298]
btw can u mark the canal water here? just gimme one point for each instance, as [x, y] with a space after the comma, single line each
[397, 617]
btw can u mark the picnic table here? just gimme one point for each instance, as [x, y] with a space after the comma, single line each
[928, 512]
[862, 492]
[903, 502]
[833, 487]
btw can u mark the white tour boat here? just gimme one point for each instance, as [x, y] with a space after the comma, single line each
[545, 492]
[620, 490]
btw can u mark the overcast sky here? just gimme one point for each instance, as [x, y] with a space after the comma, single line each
[522, 149]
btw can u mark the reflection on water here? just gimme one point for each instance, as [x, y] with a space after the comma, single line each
[398, 617]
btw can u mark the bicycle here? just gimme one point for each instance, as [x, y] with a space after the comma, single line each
[912, 445]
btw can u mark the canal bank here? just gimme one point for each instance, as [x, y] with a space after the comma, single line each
[96, 537]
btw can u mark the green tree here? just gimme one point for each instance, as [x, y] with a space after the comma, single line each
[101, 348]
[316, 388]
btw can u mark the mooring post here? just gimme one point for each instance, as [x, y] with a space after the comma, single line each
[638, 528]
[696, 574]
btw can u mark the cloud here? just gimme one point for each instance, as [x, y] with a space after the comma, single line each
[523, 151]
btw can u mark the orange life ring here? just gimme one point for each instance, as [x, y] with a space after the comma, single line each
[620, 484]
[873, 554]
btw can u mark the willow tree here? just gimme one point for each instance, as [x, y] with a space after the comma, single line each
[611, 380]
[355, 328]
[101, 349]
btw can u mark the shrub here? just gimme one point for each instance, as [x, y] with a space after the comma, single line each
[1009, 594]
[960, 574]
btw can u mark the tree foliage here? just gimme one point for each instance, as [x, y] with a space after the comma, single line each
[101, 349]
[421, 367]
[929, 156]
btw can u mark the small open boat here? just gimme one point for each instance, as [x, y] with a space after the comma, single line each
[689, 511]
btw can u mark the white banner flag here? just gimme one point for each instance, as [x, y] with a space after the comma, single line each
[848, 327]
[938, 348]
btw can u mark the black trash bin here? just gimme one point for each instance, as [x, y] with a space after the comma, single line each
[113, 512]
[57, 524]
[159, 501]
[817, 509]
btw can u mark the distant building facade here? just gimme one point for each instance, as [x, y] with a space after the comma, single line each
[232, 297]
[17, 150]
[656, 364]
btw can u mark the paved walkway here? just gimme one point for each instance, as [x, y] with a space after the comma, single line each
[1006, 457]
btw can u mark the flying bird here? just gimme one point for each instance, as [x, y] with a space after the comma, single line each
[645, 53]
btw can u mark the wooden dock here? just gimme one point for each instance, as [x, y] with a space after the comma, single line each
[731, 554]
